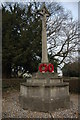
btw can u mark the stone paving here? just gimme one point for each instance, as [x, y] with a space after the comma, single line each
[12, 108]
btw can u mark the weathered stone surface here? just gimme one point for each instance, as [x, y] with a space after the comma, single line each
[45, 105]
[44, 91]
[46, 75]
[44, 14]
[44, 96]
[44, 81]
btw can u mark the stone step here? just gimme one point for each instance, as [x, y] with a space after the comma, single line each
[45, 84]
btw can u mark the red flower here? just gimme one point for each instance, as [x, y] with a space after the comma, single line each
[50, 67]
[43, 68]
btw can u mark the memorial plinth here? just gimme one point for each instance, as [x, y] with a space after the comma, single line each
[44, 91]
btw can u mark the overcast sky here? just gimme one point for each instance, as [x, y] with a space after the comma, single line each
[73, 7]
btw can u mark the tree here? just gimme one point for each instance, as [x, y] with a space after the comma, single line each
[71, 69]
[63, 36]
[21, 38]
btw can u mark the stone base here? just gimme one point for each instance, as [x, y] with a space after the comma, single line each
[44, 105]
[46, 75]
[46, 96]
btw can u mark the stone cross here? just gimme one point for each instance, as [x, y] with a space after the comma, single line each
[44, 14]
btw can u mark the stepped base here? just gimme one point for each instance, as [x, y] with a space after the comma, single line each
[44, 94]
[44, 105]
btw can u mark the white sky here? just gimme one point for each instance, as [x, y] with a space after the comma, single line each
[73, 7]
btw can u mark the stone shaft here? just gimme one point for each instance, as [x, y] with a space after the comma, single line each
[44, 40]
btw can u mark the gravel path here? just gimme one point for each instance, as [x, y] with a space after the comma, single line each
[12, 109]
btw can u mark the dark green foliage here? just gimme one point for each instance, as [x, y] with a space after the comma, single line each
[21, 42]
[72, 69]
[21, 38]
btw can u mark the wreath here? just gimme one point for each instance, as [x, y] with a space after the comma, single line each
[50, 68]
[43, 68]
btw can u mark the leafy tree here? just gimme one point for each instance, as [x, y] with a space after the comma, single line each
[72, 69]
[21, 38]
[21, 31]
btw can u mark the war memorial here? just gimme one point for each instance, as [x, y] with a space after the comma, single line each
[45, 91]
